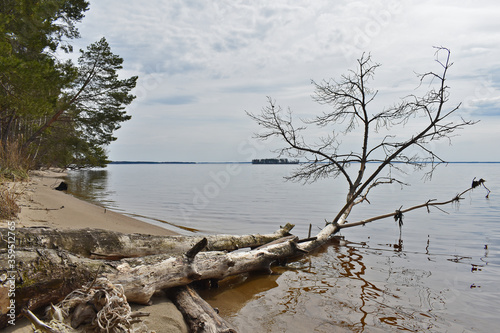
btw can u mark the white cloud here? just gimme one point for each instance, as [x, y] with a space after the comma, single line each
[202, 63]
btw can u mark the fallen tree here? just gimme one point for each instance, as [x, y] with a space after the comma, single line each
[105, 244]
[49, 264]
[45, 275]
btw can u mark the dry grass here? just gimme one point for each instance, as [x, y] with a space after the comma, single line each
[14, 165]
[8, 205]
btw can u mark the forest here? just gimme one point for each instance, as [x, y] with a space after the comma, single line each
[54, 112]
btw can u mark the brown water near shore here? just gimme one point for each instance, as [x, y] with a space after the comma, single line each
[340, 289]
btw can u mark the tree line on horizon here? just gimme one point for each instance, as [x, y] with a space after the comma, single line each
[55, 112]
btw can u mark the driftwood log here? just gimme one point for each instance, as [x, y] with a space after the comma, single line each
[46, 275]
[46, 272]
[105, 244]
[198, 313]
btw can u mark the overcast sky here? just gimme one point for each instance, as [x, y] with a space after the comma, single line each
[202, 63]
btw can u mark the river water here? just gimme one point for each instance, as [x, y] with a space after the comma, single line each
[440, 274]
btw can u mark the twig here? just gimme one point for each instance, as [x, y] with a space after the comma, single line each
[37, 323]
[47, 209]
[94, 280]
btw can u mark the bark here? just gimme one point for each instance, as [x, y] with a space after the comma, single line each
[141, 277]
[104, 244]
[200, 316]
[45, 276]
[41, 277]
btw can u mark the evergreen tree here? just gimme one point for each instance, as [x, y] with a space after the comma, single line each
[61, 113]
[90, 110]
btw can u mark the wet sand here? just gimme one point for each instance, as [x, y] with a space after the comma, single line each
[43, 206]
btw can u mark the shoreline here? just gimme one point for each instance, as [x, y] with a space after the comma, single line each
[43, 206]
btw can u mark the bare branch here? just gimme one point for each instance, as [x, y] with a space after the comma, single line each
[348, 100]
[272, 120]
[427, 204]
[382, 180]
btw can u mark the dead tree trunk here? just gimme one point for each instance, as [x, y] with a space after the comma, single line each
[200, 316]
[104, 244]
[45, 276]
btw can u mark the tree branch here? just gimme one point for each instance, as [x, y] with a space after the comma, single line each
[427, 204]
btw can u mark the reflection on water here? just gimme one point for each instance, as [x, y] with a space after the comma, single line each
[353, 289]
[91, 185]
[234, 292]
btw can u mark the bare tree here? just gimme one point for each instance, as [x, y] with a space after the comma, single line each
[349, 100]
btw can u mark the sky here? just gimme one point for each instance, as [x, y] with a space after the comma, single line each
[202, 64]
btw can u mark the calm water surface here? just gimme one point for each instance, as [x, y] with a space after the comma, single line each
[441, 274]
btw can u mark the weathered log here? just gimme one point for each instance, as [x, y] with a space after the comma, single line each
[141, 277]
[104, 244]
[200, 316]
[41, 277]
[45, 276]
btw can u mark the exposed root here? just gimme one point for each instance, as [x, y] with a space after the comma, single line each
[98, 307]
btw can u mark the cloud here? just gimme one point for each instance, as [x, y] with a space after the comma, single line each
[487, 107]
[174, 100]
[202, 63]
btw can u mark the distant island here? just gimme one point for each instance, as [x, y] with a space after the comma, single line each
[274, 161]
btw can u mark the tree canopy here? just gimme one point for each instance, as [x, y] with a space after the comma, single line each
[57, 113]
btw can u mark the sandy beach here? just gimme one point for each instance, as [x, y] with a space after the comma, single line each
[43, 206]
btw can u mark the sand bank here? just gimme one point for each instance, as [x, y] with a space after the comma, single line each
[43, 206]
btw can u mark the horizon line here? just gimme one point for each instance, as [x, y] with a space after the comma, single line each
[300, 162]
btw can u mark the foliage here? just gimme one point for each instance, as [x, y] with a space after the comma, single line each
[34, 26]
[63, 114]
[31, 77]
[349, 110]
[90, 110]
[100, 105]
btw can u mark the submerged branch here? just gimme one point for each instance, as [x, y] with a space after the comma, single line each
[427, 204]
